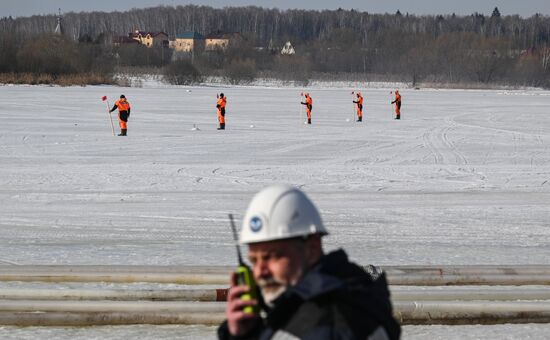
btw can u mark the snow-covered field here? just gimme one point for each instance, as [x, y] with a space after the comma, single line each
[463, 178]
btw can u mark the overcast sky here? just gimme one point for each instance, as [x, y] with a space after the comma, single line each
[524, 8]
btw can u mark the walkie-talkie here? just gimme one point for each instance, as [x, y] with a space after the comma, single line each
[244, 275]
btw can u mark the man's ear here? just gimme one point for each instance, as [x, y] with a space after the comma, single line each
[314, 248]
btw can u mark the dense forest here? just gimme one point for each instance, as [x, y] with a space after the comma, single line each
[441, 49]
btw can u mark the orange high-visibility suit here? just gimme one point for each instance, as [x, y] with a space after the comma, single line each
[397, 103]
[359, 103]
[123, 107]
[309, 105]
[220, 105]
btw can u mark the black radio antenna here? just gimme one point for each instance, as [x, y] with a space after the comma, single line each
[236, 238]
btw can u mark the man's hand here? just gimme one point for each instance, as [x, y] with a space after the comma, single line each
[239, 322]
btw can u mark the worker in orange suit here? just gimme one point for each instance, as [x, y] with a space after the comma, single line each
[220, 105]
[309, 105]
[397, 103]
[359, 103]
[123, 107]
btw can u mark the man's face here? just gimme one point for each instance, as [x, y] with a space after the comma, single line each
[277, 265]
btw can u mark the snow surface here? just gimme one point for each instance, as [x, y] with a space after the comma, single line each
[463, 178]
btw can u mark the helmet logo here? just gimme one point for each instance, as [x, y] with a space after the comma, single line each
[255, 224]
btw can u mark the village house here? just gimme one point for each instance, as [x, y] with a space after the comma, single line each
[188, 42]
[150, 39]
[221, 40]
[288, 49]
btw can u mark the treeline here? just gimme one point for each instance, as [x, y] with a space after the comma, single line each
[53, 59]
[442, 48]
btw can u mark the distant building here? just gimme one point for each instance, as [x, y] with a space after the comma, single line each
[150, 39]
[288, 49]
[59, 28]
[221, 40]
[188, 42]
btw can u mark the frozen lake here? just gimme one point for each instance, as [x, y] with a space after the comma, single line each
[463, 178]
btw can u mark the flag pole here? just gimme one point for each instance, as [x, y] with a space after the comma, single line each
[301, 109]
[391, 105]
[352, 107]
[109, 113]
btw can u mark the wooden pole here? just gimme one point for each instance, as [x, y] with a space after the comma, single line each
[110, 117]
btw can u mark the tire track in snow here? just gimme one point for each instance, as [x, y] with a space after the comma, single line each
[427, 139]
[459, 157]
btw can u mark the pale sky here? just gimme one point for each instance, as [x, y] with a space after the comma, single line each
[524, 8]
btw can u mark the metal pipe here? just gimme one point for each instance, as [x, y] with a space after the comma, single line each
[114, 294]
[397, 275]
[397, 294]
[466, 313]
[111, 306]
[485, 294]
[191, 275]
[175, 269]
[82, 319]
[469, 279]
[468, 269]
[79, 313]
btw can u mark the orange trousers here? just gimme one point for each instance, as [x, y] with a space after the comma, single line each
[221, 118]
[123, 124]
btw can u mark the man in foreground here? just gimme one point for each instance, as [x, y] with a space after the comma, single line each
[123, 107]
[397, 103]
[359, 103]
[304, 293]
[220, 106]
[309, 106]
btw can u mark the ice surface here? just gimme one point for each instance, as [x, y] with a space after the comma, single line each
[463, 178]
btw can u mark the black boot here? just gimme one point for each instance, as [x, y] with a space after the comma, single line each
[122, 132]
[360, 119]
[309, 120]
[222, 126]
[398, 117]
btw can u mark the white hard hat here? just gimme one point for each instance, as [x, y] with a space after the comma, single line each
[280, 212]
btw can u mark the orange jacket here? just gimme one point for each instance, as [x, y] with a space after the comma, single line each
[308, 103]
[122, 105]
[221, 103]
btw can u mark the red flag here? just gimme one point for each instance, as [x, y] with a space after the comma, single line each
[104, 98]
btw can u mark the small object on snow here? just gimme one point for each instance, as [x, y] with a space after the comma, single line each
[75, 124]
[188, 90]
[195, 128]
[347, 120]
[252, 126]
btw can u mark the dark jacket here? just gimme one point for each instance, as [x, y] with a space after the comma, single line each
[335, 300]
